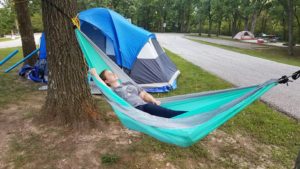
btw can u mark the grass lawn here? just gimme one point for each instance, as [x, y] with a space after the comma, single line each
[257, 137]
[4, 39]
[11, 85]
[277, 54]
[213, 36]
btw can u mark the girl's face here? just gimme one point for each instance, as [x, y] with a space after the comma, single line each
[110, 77]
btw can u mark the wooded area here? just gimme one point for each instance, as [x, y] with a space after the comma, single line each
[226, 17]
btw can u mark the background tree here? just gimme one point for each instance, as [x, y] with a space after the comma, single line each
[256, 8]
[25, 27]
[288, 6]
[225, 17]
[36, 16]
[297, 163]
[234, 13]
[7, 20]
[208, 10]
[218, 10]
[68, 100]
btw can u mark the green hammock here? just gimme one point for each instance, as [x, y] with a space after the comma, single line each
[205, 111]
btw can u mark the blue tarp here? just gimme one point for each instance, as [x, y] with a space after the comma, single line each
[43, 52]
[127, 39]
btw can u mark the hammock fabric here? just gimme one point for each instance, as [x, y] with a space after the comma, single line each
[205, 111]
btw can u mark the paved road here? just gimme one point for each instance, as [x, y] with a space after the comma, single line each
[239, 69]
[238, 44]
[17, 42]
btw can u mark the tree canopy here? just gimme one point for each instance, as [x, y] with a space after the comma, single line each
[226, 17]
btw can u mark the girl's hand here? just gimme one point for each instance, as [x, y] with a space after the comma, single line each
[93, 71]
[157, 102]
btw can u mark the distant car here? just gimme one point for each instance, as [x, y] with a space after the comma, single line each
[269, 38]
[274, 39]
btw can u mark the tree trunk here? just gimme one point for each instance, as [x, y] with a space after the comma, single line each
[253, 22]
[246, 26]
[263, 24]
[26, 31]
[200, 27]
[290, 26]
[297, 163]
[69, 101]
[219, 28]
[234, 26]
[182, 19]
[298, 23]
[284, 28]
[229, 27]
[209, 26]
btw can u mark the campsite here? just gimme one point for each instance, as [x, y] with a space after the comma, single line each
[149, 84]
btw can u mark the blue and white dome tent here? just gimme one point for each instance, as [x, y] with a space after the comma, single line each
[134, 49]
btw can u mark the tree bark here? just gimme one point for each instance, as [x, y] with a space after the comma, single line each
[209, 18]
[253, 22]
[298, 23]
[200, 27]
[26, 31]
[219, 28]
[290, 26]
[256, 13]
[297, 163]
[209, 26]
[284, 33]
[263, 24]
[234, 25]
[68, 100]
[246, 22]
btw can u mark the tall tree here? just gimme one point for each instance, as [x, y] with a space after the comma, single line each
[218, 13]
[256, 8]
[6, 21]
[209, 13]
[297, 163]
[25, 28]
[233, 10]
[68, 100]
[201, 16]
[289, 9]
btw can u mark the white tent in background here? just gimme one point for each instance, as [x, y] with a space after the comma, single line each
[244, 35]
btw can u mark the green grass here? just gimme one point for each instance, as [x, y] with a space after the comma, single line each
[276, 54]
[213, 36]
[193, 79]
[267, 125]
[109, 159]
[4, 39]
[264, 125]
[13, 87]
[30, 148]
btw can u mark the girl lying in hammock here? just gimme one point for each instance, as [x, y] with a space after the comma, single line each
[135, 95]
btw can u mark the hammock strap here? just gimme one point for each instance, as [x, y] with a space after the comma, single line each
[286, 79]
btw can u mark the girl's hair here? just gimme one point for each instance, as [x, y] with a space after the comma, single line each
[103, 77]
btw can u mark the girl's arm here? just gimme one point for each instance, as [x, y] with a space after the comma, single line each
[148, 98]
[94, 73]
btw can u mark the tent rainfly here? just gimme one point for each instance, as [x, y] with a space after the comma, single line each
[244, 35]
[132, 48]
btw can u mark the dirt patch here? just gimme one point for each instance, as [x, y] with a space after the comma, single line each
[240, 151]
[13, 120]
[24, 144]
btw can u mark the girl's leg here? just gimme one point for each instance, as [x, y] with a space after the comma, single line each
[161, 111]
